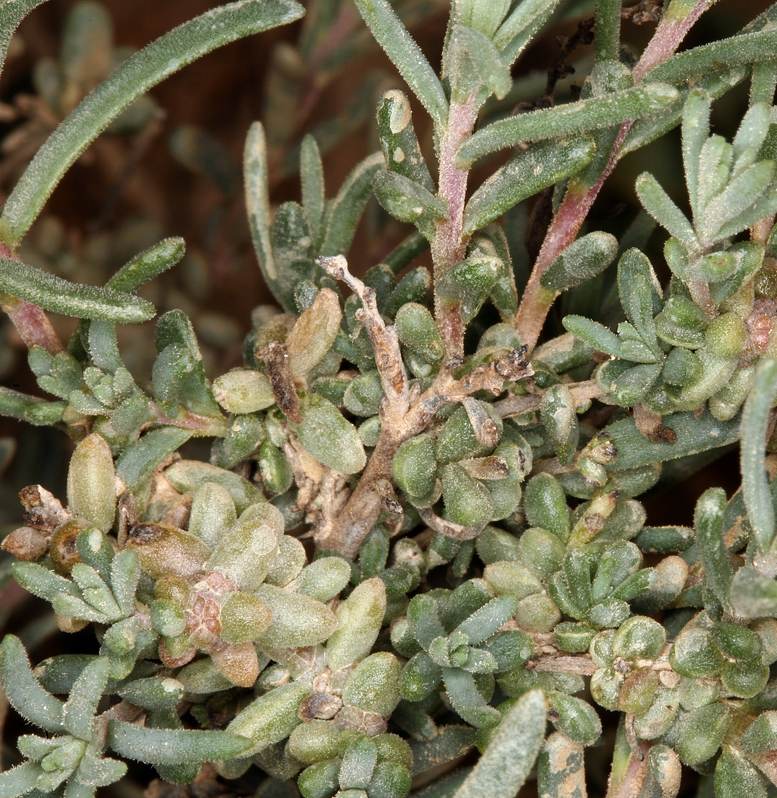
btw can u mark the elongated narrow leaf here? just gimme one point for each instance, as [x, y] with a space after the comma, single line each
[82, 704]
[565, 120]
[133, 78]
[693, 435]
[594, 334]
[313, 196]
[523, 175]
[696, 129]
[345, 210]
[406, 55]
[753, 595]
[746, 48]
[520, 26]
[61, 296]
[658, 204]
[580, 261]
[173, 746]
[42, 582]
[257, 194]
[708, 521]
[148, 264]
[16, 404]
[23, 690]
[11, 14]
[755, 483]
[511, 754]
[492, 69]
[408, 201]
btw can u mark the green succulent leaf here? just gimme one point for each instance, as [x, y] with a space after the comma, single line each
[510, 756]
[24, 691]
[400, 47]
[173, 746]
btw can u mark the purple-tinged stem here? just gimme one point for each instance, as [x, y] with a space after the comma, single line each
[448, 246]
[569, 218]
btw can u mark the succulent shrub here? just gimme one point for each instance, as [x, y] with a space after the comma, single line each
[416, 558]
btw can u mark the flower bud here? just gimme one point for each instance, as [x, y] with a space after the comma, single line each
[91, 483]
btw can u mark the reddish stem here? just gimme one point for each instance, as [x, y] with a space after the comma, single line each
[569, 218]
[449, 246]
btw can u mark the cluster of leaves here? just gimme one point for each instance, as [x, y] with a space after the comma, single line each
[412, 537]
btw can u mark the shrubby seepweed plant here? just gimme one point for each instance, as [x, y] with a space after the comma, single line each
[419, 531]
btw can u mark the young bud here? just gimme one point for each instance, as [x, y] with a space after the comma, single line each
[91, 483]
